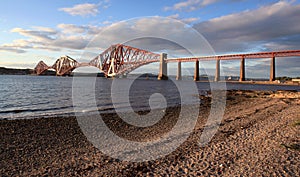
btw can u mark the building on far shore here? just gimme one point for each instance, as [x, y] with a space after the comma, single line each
[296, 81]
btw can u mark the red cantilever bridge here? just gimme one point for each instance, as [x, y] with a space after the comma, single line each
[120, 59]
[116, 60]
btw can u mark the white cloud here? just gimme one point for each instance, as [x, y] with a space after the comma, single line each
[45, 29]
[67, 36]
[19, 43]
[38, 33]
[107, 22]
[207, 2]
[269, 27]
[71, 42]
[148, 29]
[184, 20]
[175, 16]
[82, 9]
[71, 28]
[190, 20]
[190, 5]
[11, 49]
[265, 28]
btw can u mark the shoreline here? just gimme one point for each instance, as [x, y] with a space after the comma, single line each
[289, 83]
[259, 134]
[111, 110]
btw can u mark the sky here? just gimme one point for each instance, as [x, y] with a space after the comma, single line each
[35, 30]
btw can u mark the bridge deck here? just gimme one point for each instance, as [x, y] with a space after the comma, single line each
[119, 59]
[290, 53]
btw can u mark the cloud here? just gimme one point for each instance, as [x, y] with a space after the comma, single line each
[82, 9]
[71, 28]
[11, 49]
[184, 20]
[232, 37]
[175, 16]
[147, 30]
[269, 27]
[260, 68]
[39, 33]
[107, 22]
[66, 36]
[20, 43]
[284, 66]
[190, 20]
[190, 5]
[72, 42]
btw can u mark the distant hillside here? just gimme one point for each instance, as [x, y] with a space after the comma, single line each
[13, 71]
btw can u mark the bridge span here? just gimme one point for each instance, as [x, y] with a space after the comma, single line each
[120, 59]
[117, 60]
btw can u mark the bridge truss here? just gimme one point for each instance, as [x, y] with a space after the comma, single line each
[117, 60]
[63, 66]
[120, 59]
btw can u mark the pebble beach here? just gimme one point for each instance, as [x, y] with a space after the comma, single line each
[259, 136]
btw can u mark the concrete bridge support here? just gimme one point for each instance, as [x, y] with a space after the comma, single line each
[179, 77]
[196, 71]
[124, 75]
[242, 70]
[217, 75]
[272, 69]
[163, 67]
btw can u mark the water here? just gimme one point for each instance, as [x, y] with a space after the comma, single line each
[44, 96]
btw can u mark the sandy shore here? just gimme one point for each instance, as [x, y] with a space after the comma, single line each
[259, 136]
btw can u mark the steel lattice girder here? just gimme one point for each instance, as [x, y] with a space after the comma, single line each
[41, 67]
[120, 59]
[116, 60]
[63, 65]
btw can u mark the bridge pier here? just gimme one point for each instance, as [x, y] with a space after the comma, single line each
[179, 77]
[163, 67]
[196, 71]
[242, 69]
[217, 75]
[272, 69]
[124, 75]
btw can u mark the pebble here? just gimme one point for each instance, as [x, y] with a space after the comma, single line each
[49, 147]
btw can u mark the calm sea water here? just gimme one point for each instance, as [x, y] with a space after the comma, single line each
[44, 96]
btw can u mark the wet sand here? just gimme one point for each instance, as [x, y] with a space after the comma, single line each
[259, 135]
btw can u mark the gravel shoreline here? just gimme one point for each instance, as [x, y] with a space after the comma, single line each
[259, 136]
